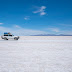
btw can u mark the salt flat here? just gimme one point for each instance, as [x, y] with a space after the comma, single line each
[36, 54]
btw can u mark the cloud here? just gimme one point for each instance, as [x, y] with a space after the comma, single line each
[1, 23]
[66, 32]
[66, 24]
[21, 31]
[17, 26]
[42, 13]
[26, 17]
[41, 10]
[59, 31]
[54, 29]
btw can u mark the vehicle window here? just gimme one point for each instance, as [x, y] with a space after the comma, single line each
[5, 35]
[10, 35]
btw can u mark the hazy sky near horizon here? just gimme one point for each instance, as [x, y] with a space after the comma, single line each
[31, 17]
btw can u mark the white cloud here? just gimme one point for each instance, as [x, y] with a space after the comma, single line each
[54, 29]
[66, 24]
[1, 23]
[42, 13]
[41, 10]
[59, 31]
[17, 26]
[66, 32]
[26, 17]
[21, 31]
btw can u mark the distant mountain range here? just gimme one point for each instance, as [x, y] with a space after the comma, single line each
[51, 35]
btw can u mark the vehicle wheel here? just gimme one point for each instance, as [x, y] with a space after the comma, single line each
[15, 38]
[5, 38]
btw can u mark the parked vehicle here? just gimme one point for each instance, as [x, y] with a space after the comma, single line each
[7, 36]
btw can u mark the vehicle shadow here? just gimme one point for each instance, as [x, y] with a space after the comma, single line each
[8, 40]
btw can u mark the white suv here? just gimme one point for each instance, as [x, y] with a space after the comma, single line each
[9, 36]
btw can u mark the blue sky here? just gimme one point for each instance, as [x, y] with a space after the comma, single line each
[31, 17]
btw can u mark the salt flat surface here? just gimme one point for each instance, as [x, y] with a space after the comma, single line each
[36, 54]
